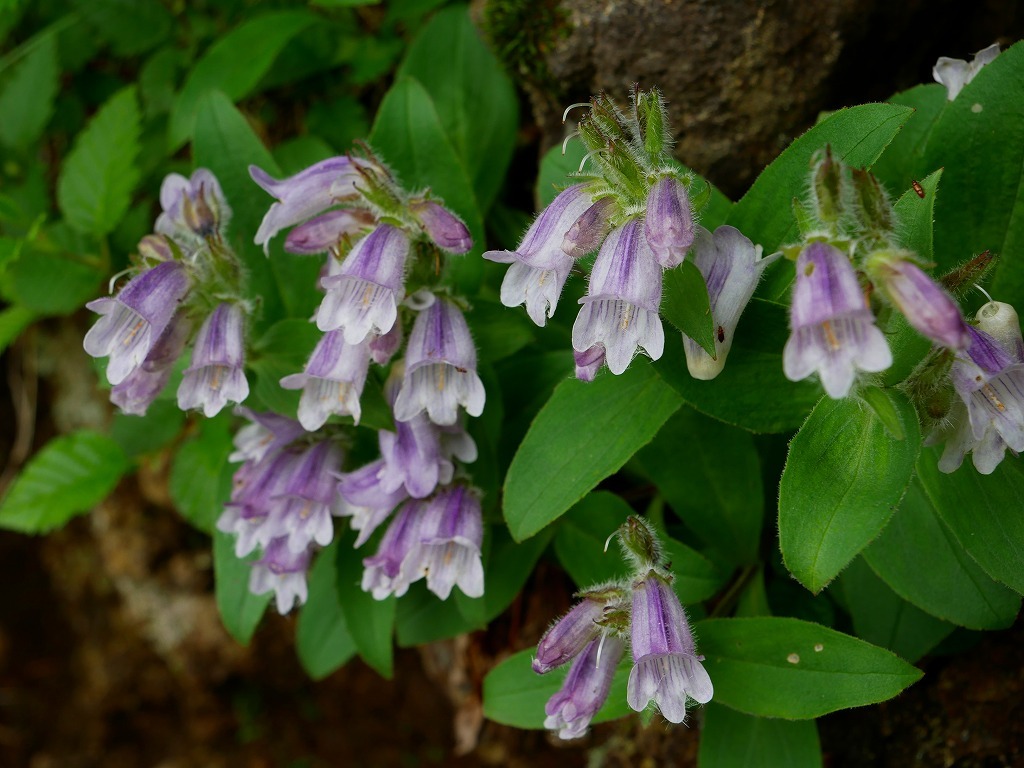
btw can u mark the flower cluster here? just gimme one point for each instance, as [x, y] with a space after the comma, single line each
[635, 209]
[186, 277]
[852, 252]
[292, 481]
[642, 612]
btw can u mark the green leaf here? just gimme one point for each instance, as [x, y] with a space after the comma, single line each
[696, 577]
[370, 622]
[281, 351]
[424, 618]
[28, 95]
[515, 695]
[224, 142]
[582, 435]
[68, 477]
[778, 667]
[555, 168]
[474, 97]
[139, 435]
[200, 481]
[882, 617]
[710, 475]
[686, 305]
[234, 66]
[979, 141]
[903, 161]
[916, 216]
[921, 560]
[13, 320]
[131, 26]
[857, 137]
[240, 609]
[751, 392]
[53, 281]
[982, 512]
[99, 175]
[581, 536]
[409, 134]
[498, 332]
[507, 566]
[730, 739]
[844, 478]
[322, 639]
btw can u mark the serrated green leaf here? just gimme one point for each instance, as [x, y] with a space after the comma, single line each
[844, 478]
[68, 477]
[857, 136]
[52, 283]
[28, 94]
[584, 433]
[322, 639]
[983, 513]
[882, 617]
[240, 610]
[99, 174]
[234, 65]
[370, 622]
[686, 305]
[779, 667]
[730, 739]
[474, 97]
[409, 134]
[751, 392]
[710, 475]
[200, 480]
[921, 560]
[515, 695]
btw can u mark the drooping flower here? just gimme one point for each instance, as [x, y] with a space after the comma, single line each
[732, 266]
[444, 228]
[989, 379]
[620, 310]
[304, 195]
[368, 502]
[668, 225]
[540, 265]
[320, 234]
[666, 667]
[569, 635]
[283, 572]
[136, 318]
[215, 376]
[193, 209]
[137, 392]
[928, 308]
[832, 329]
[440, 367]
[586, 688]
[589, 362]
[302, 512]
[385, 573]
[956, 73]
[332, 381]
[448, 551]
[256, 484]
[363, 294]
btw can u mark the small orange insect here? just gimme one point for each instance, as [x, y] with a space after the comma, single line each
[917, 188]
